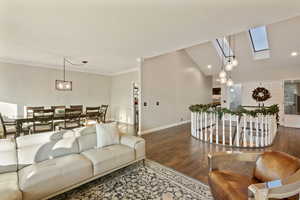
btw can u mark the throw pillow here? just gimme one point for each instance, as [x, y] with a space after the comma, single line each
[107, 134]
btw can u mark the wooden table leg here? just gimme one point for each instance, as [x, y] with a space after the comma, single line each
[19, 125]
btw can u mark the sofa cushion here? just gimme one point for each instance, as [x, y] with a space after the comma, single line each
[107, 134]
[137, 143]
[109, 157]
[226, 185]
[45, 178]
[39, 147]
[9, 189]
[8, 156]
[86, 137]
[275, 165]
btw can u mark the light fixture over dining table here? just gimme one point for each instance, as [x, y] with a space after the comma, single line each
[64, 85]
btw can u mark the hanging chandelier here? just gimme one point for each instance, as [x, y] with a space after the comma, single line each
[64, 85]
[229, 62]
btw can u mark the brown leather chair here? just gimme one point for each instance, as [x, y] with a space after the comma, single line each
[276, 175]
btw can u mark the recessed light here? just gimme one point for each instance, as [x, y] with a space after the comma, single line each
[294, 53]
[209, 66]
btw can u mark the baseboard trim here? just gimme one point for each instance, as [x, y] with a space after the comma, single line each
[163, 127]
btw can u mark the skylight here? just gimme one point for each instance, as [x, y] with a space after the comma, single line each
[259, 38]
[223, 45]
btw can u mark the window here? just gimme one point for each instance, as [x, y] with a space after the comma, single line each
[223, 44]
[259, 38]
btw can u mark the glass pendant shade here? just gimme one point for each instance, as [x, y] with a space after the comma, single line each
[223, 80]
[229, 82]
[229, 66]
[235, 62]
[222, 74]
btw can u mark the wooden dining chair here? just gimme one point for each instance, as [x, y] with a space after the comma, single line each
[58, 109]
[77, 107]
[29, 110]
[72, 118]
[103, 111]
[92, 115]
[8, 128]
[42, 121]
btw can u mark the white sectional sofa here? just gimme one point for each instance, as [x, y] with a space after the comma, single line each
[43, 165]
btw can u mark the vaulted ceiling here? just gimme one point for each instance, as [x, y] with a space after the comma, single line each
[112, 34]
[283, 39]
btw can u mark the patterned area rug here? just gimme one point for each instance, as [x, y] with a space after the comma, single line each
[137, 182]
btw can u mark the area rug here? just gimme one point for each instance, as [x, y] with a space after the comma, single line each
[137, 182]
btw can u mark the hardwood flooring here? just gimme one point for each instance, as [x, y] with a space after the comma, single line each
[175, 148]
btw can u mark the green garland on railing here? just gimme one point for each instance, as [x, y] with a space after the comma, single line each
[212, 108]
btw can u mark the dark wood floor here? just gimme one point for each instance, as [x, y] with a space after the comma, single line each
[175, 148]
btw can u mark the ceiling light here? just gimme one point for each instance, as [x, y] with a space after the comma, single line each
[235, 62]
[222, 74]
[218, 80]
[223, 80]
[229, 82]
[231, 90]
[209, 66]
[64, 85]
[294, 53]
[229, 66]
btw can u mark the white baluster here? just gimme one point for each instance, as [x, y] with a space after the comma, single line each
[197, 125]
[251, 132]
[201, 126]
[230, 130]
[269, 129]
[257, 132]
[266, 130]
[205, 126]
[217, 129]
[262, 131]
[244, 135]
[223, 129]
[193, 123]
[237, 131]
[211, 133]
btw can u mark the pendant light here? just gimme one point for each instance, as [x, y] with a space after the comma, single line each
[63, 85]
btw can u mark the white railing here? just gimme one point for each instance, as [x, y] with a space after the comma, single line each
[234, 130]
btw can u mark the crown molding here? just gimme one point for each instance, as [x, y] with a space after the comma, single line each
[50, 66]
[125, 71]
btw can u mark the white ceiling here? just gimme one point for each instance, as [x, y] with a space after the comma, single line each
[112, 34]
[284, 38]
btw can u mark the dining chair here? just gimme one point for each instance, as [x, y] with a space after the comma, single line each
[8, 128]
[103, 111]
[42, 121]
[29, 110]
[72, 118]
[77, 107]
[92, 115]
[58, 109]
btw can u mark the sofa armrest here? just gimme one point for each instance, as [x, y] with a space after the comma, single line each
[137, 143]
[213, 158]
[277, 189]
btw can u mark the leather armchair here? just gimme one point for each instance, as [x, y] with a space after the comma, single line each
[276, 175]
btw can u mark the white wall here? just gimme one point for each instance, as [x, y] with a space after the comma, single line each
[34, 86]
[174, 81]
[122, 96]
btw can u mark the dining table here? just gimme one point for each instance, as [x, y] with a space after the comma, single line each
[22, 119]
